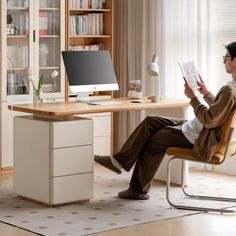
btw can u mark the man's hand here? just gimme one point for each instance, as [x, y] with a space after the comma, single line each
[203, 90]
[189, 92]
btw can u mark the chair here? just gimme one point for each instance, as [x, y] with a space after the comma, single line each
[226, 148]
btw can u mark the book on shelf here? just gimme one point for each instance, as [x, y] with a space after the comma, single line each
[93, 47]
[27, 23]
[16, 84]
[43, 23]
[43, 3]
[19, 24]
[17, 56]
[87, 24]
[17, 3]
[190, 74]
[12, 56]
[52, 24]
[87, 4]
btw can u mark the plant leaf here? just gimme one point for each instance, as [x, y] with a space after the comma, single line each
[41, 82]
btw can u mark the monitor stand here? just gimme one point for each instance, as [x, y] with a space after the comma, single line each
[84, 97]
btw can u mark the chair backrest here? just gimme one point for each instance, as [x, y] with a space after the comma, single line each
[227, 145]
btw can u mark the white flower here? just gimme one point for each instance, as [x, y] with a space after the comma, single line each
[54, 74]
[31, 77]
[37, 86]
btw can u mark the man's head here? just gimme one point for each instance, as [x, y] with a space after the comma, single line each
[230, 58]
[231, 48]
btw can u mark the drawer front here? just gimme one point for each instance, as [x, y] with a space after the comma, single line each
[71, 133]
[71, 188]
[102, 146]
[73, 160]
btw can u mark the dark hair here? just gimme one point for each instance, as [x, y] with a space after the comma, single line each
[231, 49]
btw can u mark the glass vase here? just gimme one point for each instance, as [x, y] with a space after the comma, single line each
[37, 100]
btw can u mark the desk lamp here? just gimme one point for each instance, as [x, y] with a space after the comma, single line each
[153, 70]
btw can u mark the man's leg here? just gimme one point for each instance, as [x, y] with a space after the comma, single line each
[151, 156]
[130, 151]
[132, 148]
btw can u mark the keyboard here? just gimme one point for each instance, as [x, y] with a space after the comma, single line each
[104, 103]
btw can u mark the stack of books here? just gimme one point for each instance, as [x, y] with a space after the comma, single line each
[87, 4]
[87, 24]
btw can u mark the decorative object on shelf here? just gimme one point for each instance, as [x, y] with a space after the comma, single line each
[10, 26]
[43, 54]
[135, 89]
[37, 87]
[153, 70]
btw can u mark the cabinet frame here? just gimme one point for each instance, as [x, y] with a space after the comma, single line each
[6, 159]
[34, 10]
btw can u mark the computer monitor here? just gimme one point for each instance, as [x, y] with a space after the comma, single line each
[89, 71]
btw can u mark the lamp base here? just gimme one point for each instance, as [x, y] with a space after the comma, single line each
[155, 98]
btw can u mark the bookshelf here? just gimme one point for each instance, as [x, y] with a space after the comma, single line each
[32, 36]
[82, 35]
[89, 26]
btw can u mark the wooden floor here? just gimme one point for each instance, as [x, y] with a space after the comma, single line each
[202, 224]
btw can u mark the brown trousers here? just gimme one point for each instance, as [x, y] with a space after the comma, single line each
[146, 147]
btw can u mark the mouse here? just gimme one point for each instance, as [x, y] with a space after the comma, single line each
[136, 101]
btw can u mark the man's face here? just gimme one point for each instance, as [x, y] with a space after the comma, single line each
[230, 65]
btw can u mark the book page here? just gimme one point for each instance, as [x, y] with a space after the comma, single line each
[190, 73]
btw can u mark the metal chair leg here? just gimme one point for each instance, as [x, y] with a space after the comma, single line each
[186, 207]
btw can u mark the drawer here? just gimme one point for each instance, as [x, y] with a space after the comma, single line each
[73, 160]
[71, 133]
[102, 146]
[71, 188]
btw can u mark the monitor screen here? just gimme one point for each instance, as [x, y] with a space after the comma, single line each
[89, 71]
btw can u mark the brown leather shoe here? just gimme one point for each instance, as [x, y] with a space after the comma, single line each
[105, 161]
[129, 194]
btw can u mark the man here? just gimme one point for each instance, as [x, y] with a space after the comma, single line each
[148, 143]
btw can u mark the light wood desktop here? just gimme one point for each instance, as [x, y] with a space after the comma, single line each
[53, 149]
[64, 109]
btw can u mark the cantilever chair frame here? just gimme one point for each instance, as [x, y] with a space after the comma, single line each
[200, 197]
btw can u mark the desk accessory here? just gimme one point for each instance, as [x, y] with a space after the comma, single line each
[153, 70]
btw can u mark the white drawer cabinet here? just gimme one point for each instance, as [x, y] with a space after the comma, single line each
[102, 132]
[53, 159]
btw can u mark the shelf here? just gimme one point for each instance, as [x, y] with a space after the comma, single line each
[17, 69]
[89, 10]
[96, 25]
[90, 36]
[49, 68]
[49, 36]
[17, 36]
[49, 9]
[17, 8]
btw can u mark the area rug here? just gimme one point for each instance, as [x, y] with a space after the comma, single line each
[104, 212]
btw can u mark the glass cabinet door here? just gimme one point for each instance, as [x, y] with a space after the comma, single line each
[17, 47]
[49, 31]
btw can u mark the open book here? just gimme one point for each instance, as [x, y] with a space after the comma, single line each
[190, 73]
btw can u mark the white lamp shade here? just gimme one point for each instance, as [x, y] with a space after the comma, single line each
[153, 67]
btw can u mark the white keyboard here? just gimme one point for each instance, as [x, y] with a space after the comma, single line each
[104, 103]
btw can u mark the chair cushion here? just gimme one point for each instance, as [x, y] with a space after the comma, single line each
[186, 154]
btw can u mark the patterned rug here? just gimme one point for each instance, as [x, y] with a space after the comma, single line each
[104, 212]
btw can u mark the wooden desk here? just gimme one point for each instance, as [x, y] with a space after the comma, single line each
[53, 149]
[57, 109]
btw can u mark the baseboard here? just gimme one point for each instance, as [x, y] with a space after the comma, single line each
[6, 171]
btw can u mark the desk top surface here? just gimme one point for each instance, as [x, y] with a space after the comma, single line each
[75, 108]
